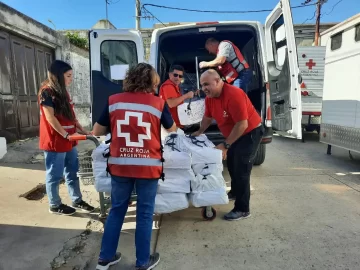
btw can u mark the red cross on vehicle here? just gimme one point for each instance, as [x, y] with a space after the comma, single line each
[310, 64]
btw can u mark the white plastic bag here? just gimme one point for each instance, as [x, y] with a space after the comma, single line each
[176, 160]
[209, 198]
[193, 115]
[170, 202]
[206, 169]
[202, 150]
[100, 153]
[207, 182]
[102, 178]
[176, 180]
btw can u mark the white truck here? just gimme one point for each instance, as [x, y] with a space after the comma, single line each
[311, 65]
[340, 124]
[270, 50]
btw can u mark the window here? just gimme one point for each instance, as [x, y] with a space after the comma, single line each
[336, 41]
[357, 32]
[117, 53]
[280, 45]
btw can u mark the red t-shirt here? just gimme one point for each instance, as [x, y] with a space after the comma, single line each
[170, 90]
[232, 106]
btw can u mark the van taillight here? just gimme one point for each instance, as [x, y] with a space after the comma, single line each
[268, 107]
[204, 23]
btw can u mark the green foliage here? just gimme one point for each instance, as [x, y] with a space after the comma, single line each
[76, 40]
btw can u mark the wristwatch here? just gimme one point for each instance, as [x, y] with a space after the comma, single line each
[227, 146]
[66, 135]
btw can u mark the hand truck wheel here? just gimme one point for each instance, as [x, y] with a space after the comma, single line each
[208, 213]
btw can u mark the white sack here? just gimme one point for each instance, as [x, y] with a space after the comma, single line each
[209, 198]
[206, 169]
[193, 115]
[100, 152]
[176, 180]
[102, 178]
[170, 202]
[176, 160]
[175, 142]
[202, 150]
[207, 183]
[103, 184]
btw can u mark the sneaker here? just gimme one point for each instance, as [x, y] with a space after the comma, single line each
[231, 196]
[85, 207]
[154, 261]
[104, 265]
[62, 209]
[236, 215]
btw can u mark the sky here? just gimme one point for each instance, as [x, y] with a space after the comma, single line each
[83, 14]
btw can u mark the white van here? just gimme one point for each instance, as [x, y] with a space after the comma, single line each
[340, 124]
[270, 50]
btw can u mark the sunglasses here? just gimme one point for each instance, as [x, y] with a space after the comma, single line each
[178, 75]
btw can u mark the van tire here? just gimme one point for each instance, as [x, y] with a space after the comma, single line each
[260, 155]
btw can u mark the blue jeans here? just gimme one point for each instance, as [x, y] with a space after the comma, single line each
[59, 165]
[121, 189]
[244, 79]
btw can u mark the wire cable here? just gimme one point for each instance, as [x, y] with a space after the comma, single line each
[219, 11]
[332, 9]
[147, 11]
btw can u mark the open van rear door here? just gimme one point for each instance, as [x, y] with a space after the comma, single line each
[112, 52]
[283, 71]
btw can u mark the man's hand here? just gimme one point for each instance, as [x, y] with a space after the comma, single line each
[196, 133]
[190, 94]
[223, 149]
[197, 92]
[203, 64]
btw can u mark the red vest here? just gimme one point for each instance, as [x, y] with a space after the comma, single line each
[227, 70]
[50, 139]
[135, 149]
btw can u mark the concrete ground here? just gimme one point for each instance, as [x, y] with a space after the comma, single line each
[305, 215]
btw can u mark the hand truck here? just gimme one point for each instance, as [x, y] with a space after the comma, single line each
[86, 175]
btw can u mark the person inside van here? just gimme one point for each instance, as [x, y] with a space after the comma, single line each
[170, 92]
[230, 63]
[134, 118]
[240, 124]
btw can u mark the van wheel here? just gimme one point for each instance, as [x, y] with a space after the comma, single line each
[260, 155]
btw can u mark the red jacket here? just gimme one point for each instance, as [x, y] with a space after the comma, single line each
[135, 149]
[50, 139]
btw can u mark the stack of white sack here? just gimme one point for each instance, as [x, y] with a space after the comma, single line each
[99, 164]
[209, 187]
[172, 192]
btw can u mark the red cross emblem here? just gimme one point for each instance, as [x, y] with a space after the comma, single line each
[310, 64]
[134, 139]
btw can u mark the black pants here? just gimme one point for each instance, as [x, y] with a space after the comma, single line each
[240, 158]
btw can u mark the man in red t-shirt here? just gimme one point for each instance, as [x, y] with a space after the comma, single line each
[241, 126]
[170, 91]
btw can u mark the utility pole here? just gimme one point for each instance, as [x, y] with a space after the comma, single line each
[137, 14]
[317, 26]
[107, 15]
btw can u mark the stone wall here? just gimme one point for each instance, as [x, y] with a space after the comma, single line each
[15, 22]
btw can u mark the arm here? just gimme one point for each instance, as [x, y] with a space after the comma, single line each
[102, 125]
[50, 117]
[167, 121]
[237, 131]
[218, 61]
[205, 123]
[174, 102]
[99, 130]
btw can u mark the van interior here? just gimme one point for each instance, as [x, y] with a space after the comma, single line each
[182, 46]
